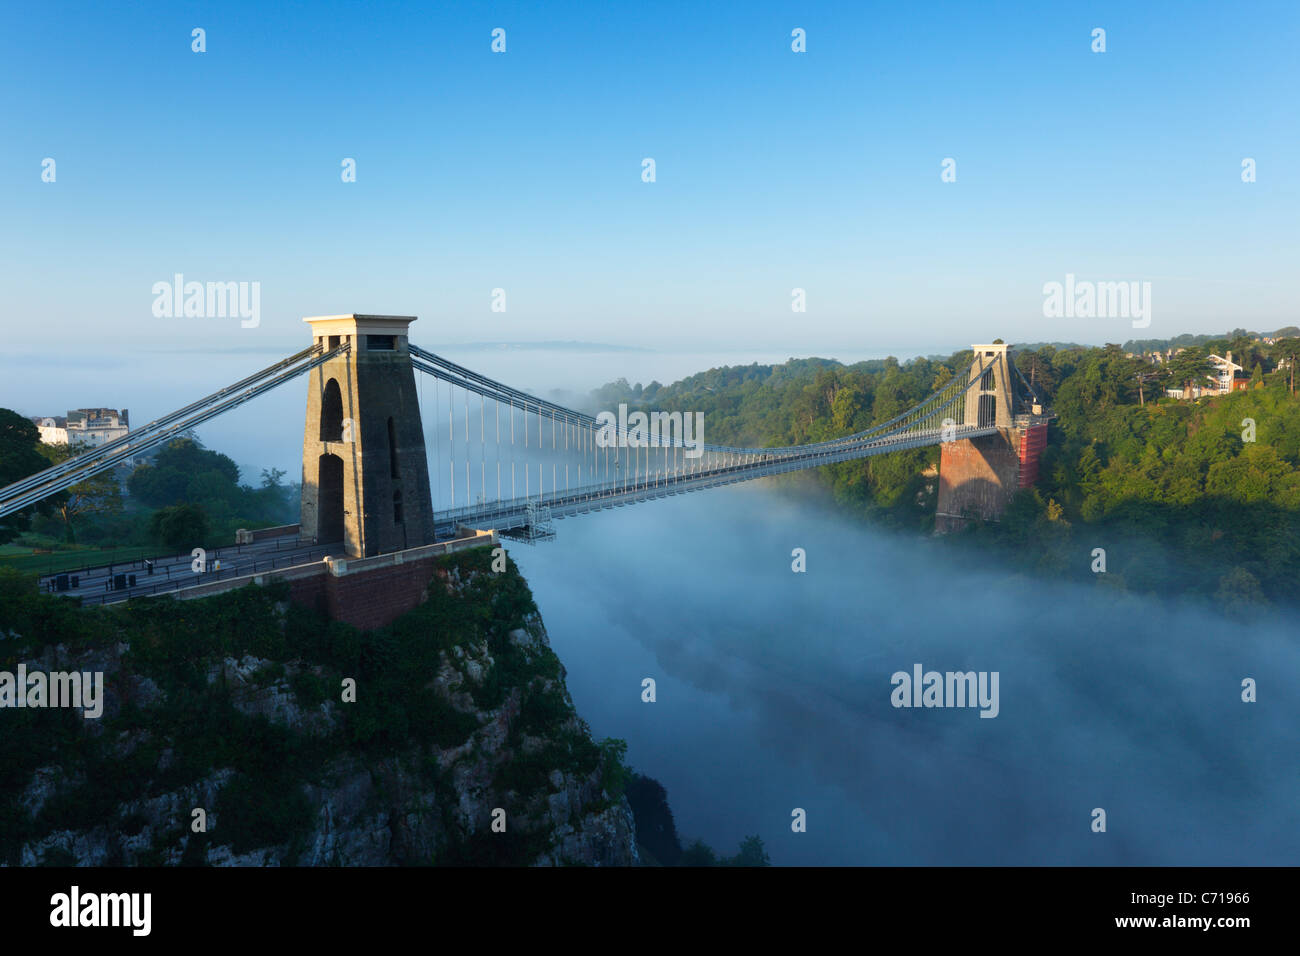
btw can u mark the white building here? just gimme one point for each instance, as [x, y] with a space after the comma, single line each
[54, 431]
[1194, 391]
[90, 427]
[1227, 377]
[1226, 371]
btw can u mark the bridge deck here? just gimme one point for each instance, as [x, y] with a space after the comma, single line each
[175, 573]
[515, 513]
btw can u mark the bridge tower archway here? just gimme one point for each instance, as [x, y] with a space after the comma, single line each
[331, 413]
[329, 504]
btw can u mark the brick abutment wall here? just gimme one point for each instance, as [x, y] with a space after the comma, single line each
[979, 476]
[366, 593]
[369, 598]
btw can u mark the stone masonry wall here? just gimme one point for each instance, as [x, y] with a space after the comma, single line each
[977, 477]
[367, 599]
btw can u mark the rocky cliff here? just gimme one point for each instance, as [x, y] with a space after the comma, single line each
[459, 744]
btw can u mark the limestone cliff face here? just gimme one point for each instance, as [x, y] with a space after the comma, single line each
[234, 705]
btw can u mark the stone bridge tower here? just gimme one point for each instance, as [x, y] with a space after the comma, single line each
[979, 476]
[365, 476]
[993, 402]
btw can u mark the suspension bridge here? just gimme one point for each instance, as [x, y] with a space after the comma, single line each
[379, 480]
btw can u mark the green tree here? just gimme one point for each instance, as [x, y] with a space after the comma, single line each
[698, 854]
[179, 527]
[1239, 593]
[655, 827]
[1254, 475]
[751, 853]
[1104, 380]
[1189, 367]
[615, 773]
[845, 409]
[1285, 351]
[167, 481]
[19, 457]
[98, 495]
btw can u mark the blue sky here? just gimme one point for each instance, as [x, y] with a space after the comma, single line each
[522, 170]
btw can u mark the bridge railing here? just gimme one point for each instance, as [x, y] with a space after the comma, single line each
[164, 562]
[182, 581]
[508, 513]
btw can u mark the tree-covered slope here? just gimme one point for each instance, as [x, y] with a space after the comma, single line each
[1199, 498]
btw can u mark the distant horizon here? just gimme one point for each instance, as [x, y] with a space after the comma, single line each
[805, 352]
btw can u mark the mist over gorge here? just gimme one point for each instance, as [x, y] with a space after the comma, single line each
[773, 693]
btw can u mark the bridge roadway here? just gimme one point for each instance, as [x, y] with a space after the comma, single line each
[508, 515]
[175, 572]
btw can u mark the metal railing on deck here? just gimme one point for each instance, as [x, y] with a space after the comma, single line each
[167, 560]
[183, 581]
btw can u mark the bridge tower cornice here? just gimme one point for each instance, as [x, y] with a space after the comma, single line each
[353, 323]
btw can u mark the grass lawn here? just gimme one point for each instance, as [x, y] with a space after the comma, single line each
[30, 561]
